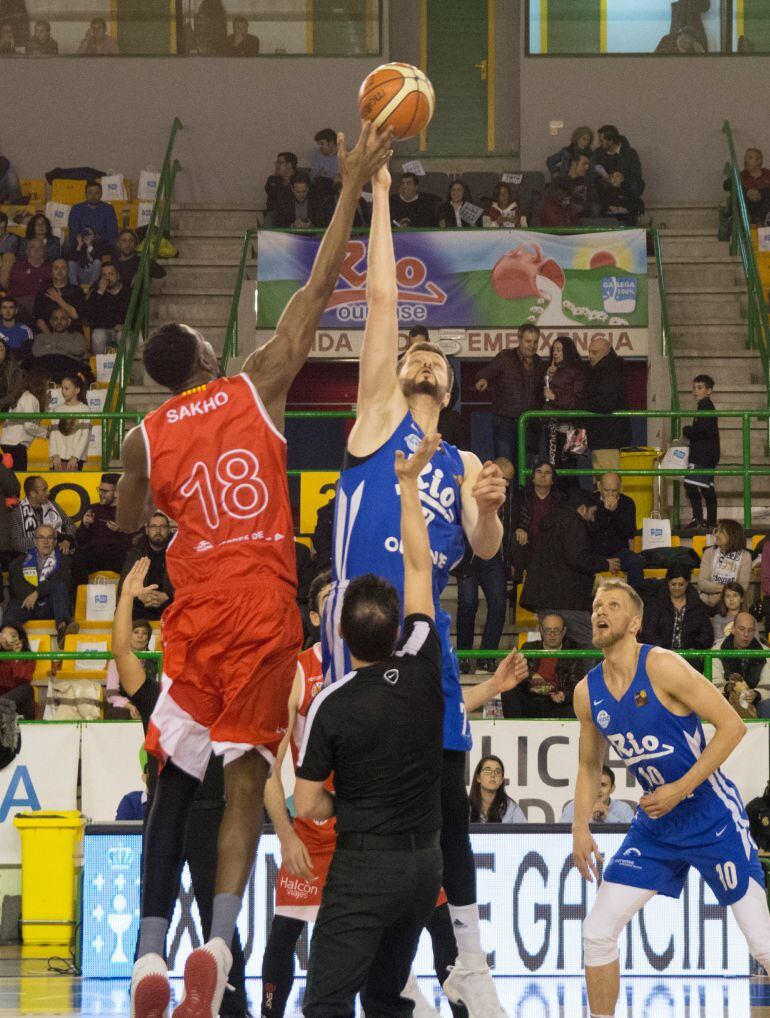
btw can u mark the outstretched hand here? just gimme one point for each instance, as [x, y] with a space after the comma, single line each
[411, 468]
[511, 671]
[489, 488]
[372, 151]
[133, 584]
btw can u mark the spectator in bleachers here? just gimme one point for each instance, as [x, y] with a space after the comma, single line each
[489, 802]
[557, 208]
[408, 207]
[581, 142]
[322, 535]
[755, 181]
[615, 153]
[504, 209]
[618, 202]
[562, 567]
[278, 184]
[606, 809]
[41, 43]
[16, 336]
[96, 42]
[18, 436]
[9, 249]
[133, 805]
[211, 28]
[325, 164]
[301, 210]
[614, 528]
[95, 214]
[744, 681]
[105, 310]
[12, 380]
[677, 619]
[61, 349]
[604, 393]
[120, 706]
[563, 390]
[705, 453]
[37, 509]
[99, 544]
[731, 602]
[85, 259]
[529, 508]
[303, 559]
[126, 258]
[10, 192]
[584, 201]
[60, 294]
[152, 544]
[40, 226]
[39, 580]
[727, 559]
[549, 690]
[489, 574]
[516, 377]
[448, 212]
[10, 490]
[242, 43]
[68, 439]
[30, 276]
[8, 46]
[16, 676]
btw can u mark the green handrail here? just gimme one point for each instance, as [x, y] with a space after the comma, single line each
[230, 347]
[137, 319]
[97, 417]
[741, 242]
[746, 470]
[667, 350]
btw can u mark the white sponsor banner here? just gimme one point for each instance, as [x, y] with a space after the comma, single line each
[541, 761]
[474, 344]
[44, 776]
[110, 766]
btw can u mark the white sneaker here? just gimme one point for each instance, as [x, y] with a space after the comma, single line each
[470, 983]
[150, 991]
[422, 1009]
[205, 980]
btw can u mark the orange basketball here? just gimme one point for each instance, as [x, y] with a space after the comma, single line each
[399, 96]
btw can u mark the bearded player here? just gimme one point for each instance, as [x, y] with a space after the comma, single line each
[647, 703]
[397, 406]
[213, 458]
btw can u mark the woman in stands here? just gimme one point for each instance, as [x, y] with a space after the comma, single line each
[489, 802]
[677, 619]
[17, 437]
[69, 438]
[504, 210]
[16, 676]
[40, 226]
[12, 380]
[725, 561]
[581, 143]
[731, 602]
[564, 383]
[448, 212]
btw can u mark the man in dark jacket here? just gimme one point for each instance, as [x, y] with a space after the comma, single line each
[530, 506]
[548, 691]
[517, 381]
[153, 544]
[562, 567]
[10, 489]
[615, 153]
[705, 451]
[677, 619]
[40, 583]
[604, 393]
[300, 209]
[614, 528]
[98, 542]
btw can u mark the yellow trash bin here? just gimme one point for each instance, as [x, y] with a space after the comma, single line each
[640, 489]
[51, 861]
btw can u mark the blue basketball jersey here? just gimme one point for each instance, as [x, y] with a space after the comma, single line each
[367, 539]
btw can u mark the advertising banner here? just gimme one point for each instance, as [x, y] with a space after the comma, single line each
[474, 279]
[110, 766]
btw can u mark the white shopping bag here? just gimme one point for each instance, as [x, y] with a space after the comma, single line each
[93, 665]
[144, 213]
[148, 185]
[100, 603]
[676, 457]
[105, 364]
[656, 533]
[58, 213]
[114, 187]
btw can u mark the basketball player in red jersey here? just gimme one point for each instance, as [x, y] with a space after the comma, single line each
[213, 458]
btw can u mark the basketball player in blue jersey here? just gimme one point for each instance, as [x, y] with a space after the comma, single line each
[397, 405]
[648, 704]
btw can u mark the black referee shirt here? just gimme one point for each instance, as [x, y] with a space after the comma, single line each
[380, 731]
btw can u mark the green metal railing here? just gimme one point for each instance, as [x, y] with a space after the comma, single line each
[137, 321]
[667, 350]
[104, 418]
[745, 471]
[230, 347]
[741, 243]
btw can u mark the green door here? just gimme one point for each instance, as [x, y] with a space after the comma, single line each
[757, 24]
[455, 42]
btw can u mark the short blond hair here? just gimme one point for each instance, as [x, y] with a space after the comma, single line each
[615, 584]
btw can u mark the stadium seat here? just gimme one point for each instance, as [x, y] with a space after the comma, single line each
[41, 644]
[435, 183]
[33, 188]
[40, 627]
[68, 192]
[18, 216]
[481, 184]
[104, 576]
[80, 642]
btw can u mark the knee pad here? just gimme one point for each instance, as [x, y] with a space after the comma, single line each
[600, 943]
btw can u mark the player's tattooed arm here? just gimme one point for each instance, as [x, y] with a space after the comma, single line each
[679, 686]
[134, 496]
[276, 364]
[584, 848]
[483, 493]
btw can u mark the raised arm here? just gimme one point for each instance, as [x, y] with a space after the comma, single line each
[589, 778]
[130, 671]
[275, 365]
[134, 505]
[509, 673]
[482, 493]
[418, 564]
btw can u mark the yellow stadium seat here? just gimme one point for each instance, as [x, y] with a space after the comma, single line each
[33, 188]
[699, 543]
[19, 216]
[756, 539]
[525, 618]
[68, 192]
[40, 627]
[103, 576]
[79, 642]
[41, 645]
[654, 574]
[37, 457]
[126, 213]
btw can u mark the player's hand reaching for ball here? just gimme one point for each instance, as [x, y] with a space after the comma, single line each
[586, 854]
[489, 489]
[660, 802]
[296, 858]
[373, 150]
[133, 584]
[511, 671]
[411, 468]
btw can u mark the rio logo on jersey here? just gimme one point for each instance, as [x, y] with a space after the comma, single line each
[631, 750]
[197, 407]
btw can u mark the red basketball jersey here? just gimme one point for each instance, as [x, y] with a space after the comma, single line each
[317, 835]
[217, 467]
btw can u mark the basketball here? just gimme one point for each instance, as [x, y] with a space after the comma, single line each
[398, 96]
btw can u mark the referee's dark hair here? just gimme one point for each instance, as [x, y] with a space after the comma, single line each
[370, 618]
[170, 353]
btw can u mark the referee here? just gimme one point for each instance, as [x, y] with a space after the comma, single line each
[379, 731]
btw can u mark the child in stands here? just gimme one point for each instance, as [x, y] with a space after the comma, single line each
[703, 435]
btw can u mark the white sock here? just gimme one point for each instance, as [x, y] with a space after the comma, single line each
[593, 1015]
[465, 923]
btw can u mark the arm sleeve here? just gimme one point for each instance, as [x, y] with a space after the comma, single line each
[492, 370]
[19, 540]
[420, 640]
[578, 555]
[316, 757]
[144, 699]
[705, 584]
[9, 483]
[67, 526]
[744, 570]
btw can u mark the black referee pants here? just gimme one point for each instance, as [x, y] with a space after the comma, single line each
[374, 908]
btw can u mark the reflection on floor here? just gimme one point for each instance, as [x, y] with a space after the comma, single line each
[34, 991]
